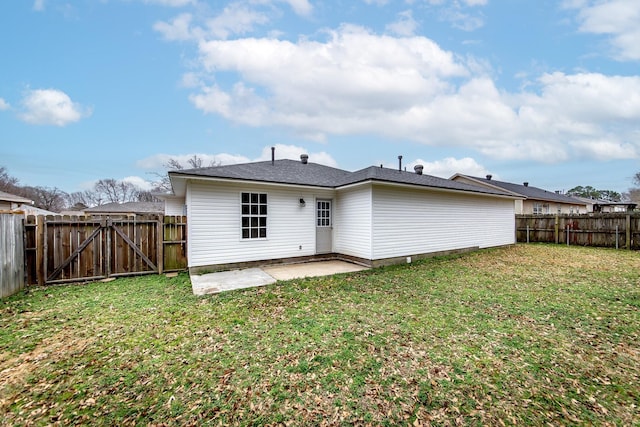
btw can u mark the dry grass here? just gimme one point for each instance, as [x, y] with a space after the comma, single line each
[536, 334]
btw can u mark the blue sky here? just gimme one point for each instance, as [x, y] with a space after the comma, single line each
[541, 91]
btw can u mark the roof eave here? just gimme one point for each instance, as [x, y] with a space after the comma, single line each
[426, 187]
[179, 186]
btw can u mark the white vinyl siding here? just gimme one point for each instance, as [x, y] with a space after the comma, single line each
[407, 222]
[352, 222]
[215, 232]
[174, 206]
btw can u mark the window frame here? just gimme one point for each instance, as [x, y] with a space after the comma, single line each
[324, 207]
[541, 208]
[254, 208]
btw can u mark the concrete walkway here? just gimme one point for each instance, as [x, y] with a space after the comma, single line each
[212, 283]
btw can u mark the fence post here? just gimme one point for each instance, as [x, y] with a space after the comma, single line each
[628, 231]
[557, 229]
[567, 234]
[160, 242]
[40, 250]
[527, 233]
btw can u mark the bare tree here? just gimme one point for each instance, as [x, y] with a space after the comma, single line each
[116, 191]
[86, 198]
[147, 196]
[194, 162]
[8, 183]
[51, 199]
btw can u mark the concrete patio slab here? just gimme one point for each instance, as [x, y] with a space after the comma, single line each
[212, 283]
[311, 269]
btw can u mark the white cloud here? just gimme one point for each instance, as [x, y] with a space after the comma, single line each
[139, 182]
[616, 18]
[51, 107]
[293, 152]
[158, 161]
[179, 28]
[317, 87]
[236, 18]
[449, 166]
[606, 149]
[4, 105]
[405, 25]
[462, 20]
[283, 151]
[38, 5]
[476, 2]
[171, 3]
[356, 82]
[301, 7]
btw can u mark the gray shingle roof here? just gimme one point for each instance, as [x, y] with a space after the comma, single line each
[129, 207]
[13, 198]
[529, 192]
[313, 174]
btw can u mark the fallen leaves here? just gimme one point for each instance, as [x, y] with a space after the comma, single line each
[535, 334]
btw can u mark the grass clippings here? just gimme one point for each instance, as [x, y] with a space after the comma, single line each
[531, 334]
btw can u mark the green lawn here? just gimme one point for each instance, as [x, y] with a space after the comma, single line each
[531, 334]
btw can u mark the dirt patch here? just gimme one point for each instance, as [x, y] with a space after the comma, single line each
[14, 370]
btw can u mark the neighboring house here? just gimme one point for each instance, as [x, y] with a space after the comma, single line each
[286, 210]
[32, 210]
[606, 206]
[75, 210]
[533, 200]
[127, 209]
[10, 202]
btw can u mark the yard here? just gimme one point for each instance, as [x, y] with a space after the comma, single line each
[531, 334]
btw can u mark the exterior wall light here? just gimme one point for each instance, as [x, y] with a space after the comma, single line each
[302, 202]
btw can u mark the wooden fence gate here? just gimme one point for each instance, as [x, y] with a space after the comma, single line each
[66, 249]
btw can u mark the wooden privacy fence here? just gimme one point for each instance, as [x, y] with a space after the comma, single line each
[604, 230]
[12, 254]
[63, 249]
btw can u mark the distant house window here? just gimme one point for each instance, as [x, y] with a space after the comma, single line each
[254, 215]
[540, 208]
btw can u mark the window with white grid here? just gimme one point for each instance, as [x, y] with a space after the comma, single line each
[254, 215]
[323, 213]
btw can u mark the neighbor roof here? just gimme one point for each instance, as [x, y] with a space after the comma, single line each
[129, 207]
[13, 198]
[526, 191]
[312, 174]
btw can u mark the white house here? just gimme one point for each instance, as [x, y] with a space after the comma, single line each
[286, 210]
[10, 202]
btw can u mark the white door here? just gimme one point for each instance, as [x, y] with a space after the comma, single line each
[324, 227]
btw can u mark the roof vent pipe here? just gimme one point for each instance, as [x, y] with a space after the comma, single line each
[489, 177]
[304, 158]
[273, 155]
[400, 163]
[526, 184]
[418, 169]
